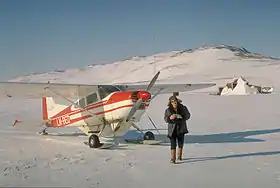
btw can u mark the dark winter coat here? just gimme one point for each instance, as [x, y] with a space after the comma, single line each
[179, 124]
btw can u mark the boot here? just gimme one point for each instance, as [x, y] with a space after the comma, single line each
[180, 151]
[173, 155]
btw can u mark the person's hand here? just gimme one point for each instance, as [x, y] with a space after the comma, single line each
[179, 116]
[172, 116]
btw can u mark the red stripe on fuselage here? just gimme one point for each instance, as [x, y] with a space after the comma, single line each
[114, 98]
[55, 122]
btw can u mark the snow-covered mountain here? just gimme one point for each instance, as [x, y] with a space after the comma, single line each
[206, 63]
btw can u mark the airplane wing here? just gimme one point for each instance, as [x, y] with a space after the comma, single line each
[169, 88]
[38, 90]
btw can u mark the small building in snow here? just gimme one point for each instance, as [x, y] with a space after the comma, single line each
[240, 86]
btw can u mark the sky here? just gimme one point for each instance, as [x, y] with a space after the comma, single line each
[40, 36]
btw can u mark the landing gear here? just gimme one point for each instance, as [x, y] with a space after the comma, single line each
[94, 141]
[149, 136]
[146, 136]
[147, 139]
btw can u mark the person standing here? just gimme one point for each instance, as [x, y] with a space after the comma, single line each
[176, 116]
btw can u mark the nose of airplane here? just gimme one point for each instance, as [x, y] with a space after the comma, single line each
[144, 95]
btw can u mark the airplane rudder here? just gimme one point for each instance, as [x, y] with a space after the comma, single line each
[44, 108]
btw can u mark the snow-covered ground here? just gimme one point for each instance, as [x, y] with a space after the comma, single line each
[233, 140]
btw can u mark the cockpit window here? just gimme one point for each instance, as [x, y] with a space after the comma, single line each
[105, 90]
[121, 87]
[92, 98]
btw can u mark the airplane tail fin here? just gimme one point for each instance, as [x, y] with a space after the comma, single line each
[50, 107]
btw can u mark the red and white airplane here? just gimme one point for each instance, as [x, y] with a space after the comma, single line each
[97, 110]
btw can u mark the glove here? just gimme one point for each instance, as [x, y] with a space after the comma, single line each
[179, 116]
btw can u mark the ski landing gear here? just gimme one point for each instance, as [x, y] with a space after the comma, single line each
[149, 136]
[147, 139]
[43, 132]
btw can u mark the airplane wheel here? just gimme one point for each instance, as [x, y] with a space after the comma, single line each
[93, 141]
[149, 136]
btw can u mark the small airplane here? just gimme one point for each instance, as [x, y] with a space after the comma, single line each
[97, 110]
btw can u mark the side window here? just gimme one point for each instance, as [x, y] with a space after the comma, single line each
[82, 103]
[92, 98]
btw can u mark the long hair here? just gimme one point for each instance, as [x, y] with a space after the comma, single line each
[169, 101]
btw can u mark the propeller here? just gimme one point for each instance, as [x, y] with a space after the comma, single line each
[140, 100]
[153, 81]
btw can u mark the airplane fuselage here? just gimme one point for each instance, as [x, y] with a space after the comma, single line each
[107, 116]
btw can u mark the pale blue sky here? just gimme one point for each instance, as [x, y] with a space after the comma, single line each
[38, 36]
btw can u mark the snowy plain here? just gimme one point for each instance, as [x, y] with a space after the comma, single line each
[233, 140]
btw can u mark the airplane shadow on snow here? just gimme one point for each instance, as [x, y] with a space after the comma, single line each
[232, 137]
[201, 159]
